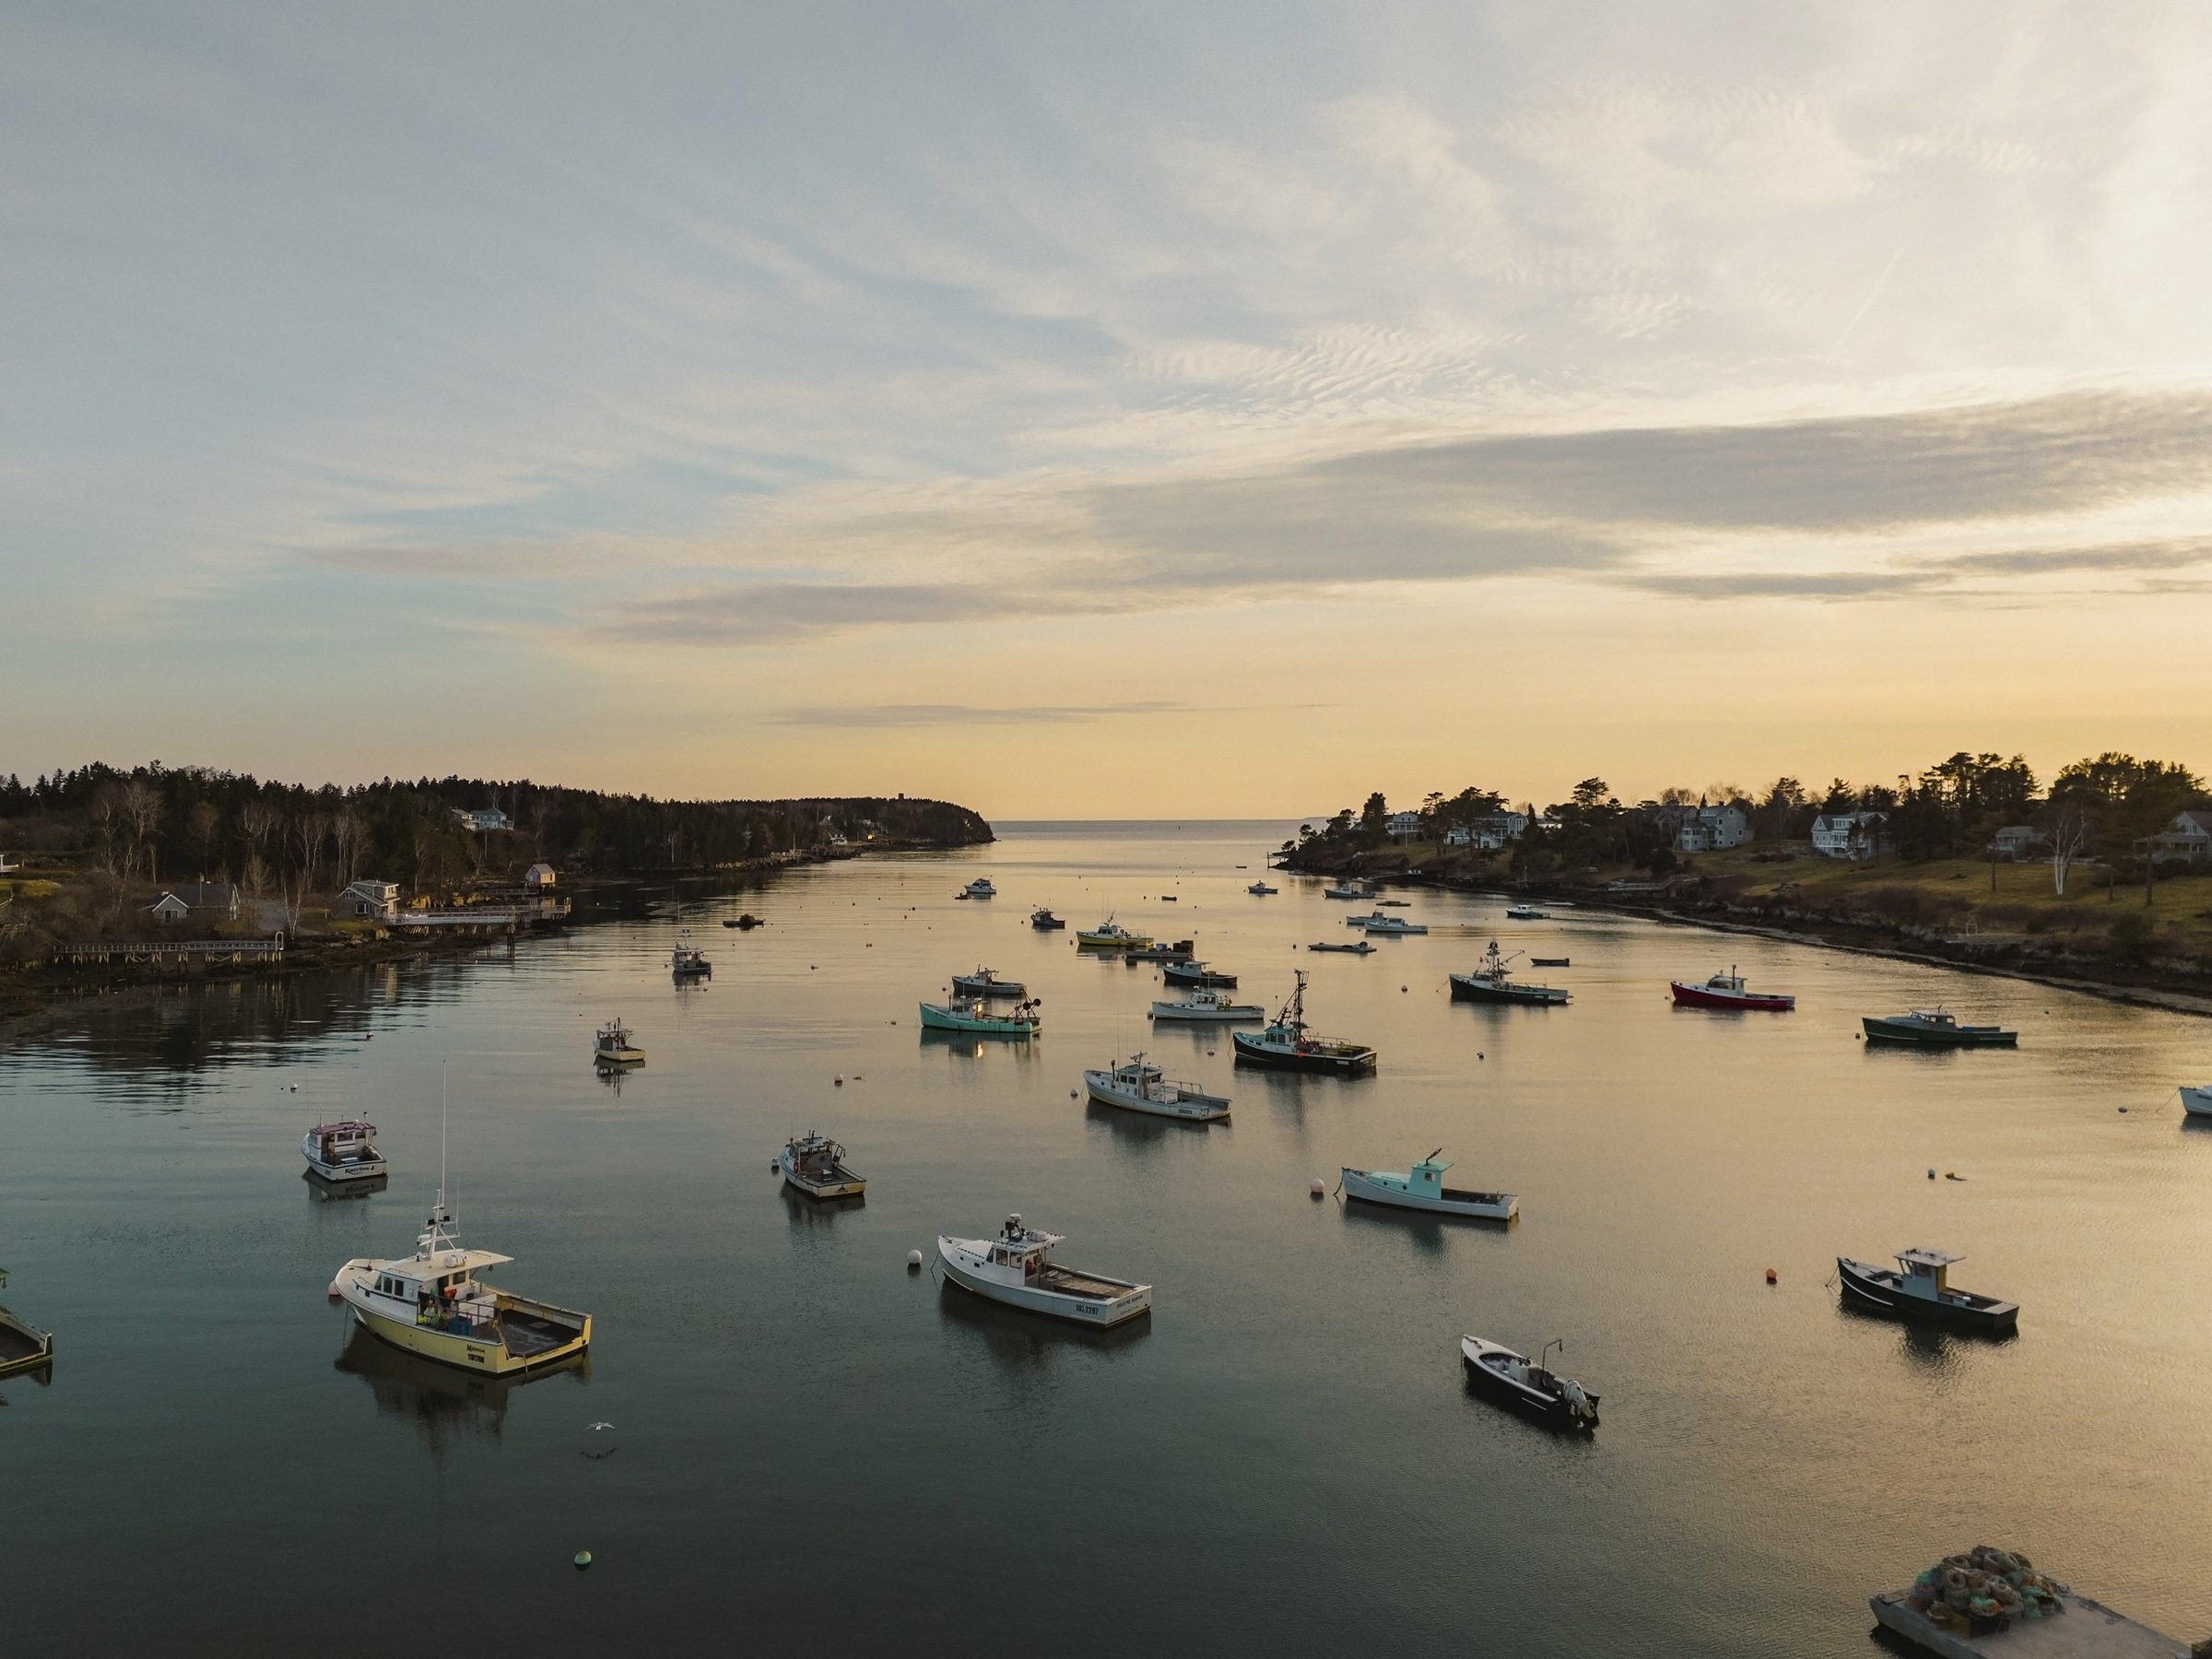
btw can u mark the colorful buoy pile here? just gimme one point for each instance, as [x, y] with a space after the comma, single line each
[1984, 1590]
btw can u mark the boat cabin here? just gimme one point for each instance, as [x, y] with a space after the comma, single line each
[439, 1289]
[1926, 1273]
[1426, 1179]
[1938, 1017]
[1022, 1251]
[350, 1142]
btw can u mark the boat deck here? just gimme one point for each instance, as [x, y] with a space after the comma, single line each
[21, 1349]
[528, 1334]
[2087, 1629]
[1070, 1282]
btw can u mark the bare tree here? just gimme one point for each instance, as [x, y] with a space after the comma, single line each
[202, 825]
[2069, 835]
[141, 806]
[254, 878]
[109, 819]
[259, 822]
[346, 838]
[307, 832]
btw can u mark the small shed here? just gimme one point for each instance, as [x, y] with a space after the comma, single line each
[539, 877]
[169, 908]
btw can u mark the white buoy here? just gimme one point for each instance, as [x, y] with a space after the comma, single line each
[839, 1079]
[1317, 1186]
[914, 1258]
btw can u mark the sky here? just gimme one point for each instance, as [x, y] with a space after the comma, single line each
[1126, 411]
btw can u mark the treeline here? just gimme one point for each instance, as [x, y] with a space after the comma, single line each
[157, 825]
[2107, 805]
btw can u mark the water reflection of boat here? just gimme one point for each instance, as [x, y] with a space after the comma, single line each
[333, 1192]
[440, 1400]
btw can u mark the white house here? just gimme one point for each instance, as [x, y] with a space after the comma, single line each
[1489, 832]
[2189, 836]
[1401, 826]
[1848, 834]
[1711, 829]
[2015, 841]
[169, 908]
[482, 817]
[368, 900]
[540, 878]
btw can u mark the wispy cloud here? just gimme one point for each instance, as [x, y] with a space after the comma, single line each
[891, 716]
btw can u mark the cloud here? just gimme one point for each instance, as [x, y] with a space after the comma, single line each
[772, 612]
[876, 716]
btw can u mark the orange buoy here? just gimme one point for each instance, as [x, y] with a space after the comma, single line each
[1770, 1279]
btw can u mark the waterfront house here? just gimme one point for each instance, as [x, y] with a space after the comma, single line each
[169, 908]
[2189, 836]
[1849, 834]
[482, 817]
[540, 879]
[368, 900]
[1401, 826]
[2017, 841]
[1711, 829]
[1489, 832]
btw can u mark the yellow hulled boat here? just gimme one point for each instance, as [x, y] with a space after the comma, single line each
[1110, 935]
[433, 1303]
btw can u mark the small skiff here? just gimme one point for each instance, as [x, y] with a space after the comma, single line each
[2197, 1103]
[1505, 1375]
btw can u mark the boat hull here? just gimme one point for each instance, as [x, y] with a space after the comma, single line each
[1216, 1014]
[1548, 1409]
[1466, 987]
[843, 1184]
[1252, 1051]
[625, 1056]
[1474, 1206]
[1698, 996]
[968, 985]
[1905, 1033]
[1098, 1315]
[1198, 979]
[490, 1355]
[2196, 1102]
[340, 1173]
[1863, 1288]
[1092, 941]
[936, 1018]
[1192, 1108]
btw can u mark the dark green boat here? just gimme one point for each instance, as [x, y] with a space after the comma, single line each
[1933, 1028]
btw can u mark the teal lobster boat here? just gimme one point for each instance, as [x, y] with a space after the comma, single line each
[973, 1016]
[1933, 1028]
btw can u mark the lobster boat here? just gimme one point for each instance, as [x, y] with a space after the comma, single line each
[1016, 1268]
[614, 1046]
[815, 1165]
[1728, 991]
[1423, 1188]
[1110, 935]
[1286, 1045]
[1933, 1028]
[1489, 984]
[1919, 1288]
[1043, 921]
[1213, 1005]
[1136, 1086]
[976, 1018]
[984, 982]
[688, 961]
[344, 1152]
[1197, 975]
[433, 1303]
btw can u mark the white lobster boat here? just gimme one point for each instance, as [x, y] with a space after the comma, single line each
[1216, 1005]
[1423, 1188]
[2197, 1103]
[433, 1303]
[1016, 1268]
[688, 961]
[612, 1046]
[984, 982]
[1136, 1085]
[1377, 923]
[344, 1152]
[815, 1165]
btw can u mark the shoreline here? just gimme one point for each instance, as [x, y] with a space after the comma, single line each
[30, 1005]
[2167, 997]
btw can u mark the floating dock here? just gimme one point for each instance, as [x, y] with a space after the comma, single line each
[2087, 1629]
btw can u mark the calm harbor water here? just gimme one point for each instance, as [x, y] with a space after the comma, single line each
[810, 1443]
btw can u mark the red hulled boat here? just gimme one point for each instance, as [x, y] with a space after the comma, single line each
[1727, 991]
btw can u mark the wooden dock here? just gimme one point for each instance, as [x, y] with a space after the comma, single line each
[2087, 1629]
[169, 952]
